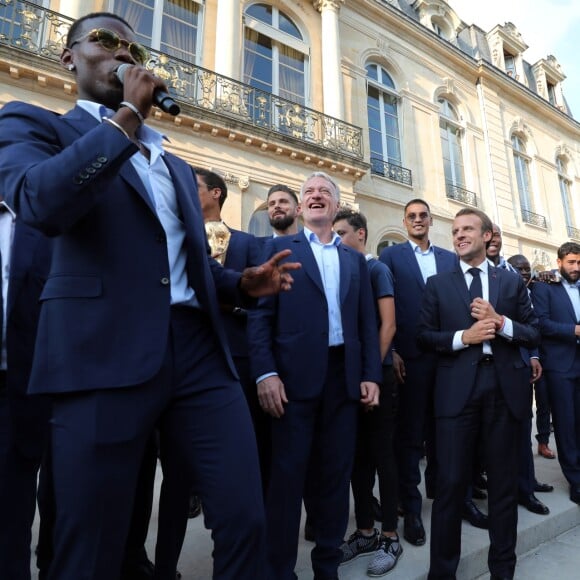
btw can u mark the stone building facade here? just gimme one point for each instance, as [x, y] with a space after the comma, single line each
[396, 99]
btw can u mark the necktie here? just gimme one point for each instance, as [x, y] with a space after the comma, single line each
[475, 290]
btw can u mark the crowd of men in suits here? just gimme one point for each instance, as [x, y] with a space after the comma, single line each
[264, 373]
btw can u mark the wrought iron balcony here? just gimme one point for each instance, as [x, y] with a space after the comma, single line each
[42, 32]
[392, 171]
[534, 219]
[573, 232]
[460, 194]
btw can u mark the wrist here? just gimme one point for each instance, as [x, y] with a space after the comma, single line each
[134, 110]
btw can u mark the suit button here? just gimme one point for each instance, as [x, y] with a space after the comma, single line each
[77, 180]
[91, 170]
[102, 159]
[164, 281]
[97, 164]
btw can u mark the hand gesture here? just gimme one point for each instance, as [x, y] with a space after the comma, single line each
[269, 278]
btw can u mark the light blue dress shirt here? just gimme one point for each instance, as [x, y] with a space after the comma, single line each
[326, 256]
[158, 183]
[425, 260]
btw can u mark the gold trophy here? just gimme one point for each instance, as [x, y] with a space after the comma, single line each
[218, 236]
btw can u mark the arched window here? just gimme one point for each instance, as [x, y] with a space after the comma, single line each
[389, 240]
[169, 26]
[565, 184]
[450, 131]
[275, 54]
[383, 117]
[259, 225]
[522, 167]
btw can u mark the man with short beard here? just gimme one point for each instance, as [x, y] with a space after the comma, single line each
[283, 210]
[557, 305]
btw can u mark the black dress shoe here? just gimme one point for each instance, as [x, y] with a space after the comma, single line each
[472, 514]
[477, 493]
[533, 504]
[413, 530]
[543, 487]
[575, 494]
[194, 506]
[377, 511]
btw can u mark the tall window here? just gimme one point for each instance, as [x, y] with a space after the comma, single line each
[510, 64]
[566, 192]
[169, 26]
[450, 132]
[275, 54]
[383, 116]
[522, 166]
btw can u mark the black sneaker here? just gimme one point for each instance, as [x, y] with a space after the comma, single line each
[386, 556]
[359, 545]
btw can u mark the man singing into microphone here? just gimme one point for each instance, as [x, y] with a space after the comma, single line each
[130, 333]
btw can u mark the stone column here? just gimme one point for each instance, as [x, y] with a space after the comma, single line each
[331, 73]
[228, 46]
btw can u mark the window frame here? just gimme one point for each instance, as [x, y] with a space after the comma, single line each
[384, 89]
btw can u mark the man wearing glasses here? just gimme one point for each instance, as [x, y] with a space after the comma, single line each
[130, 333]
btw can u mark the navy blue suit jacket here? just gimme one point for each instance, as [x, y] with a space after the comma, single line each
[29, 265]
[409, 288]
[244, 250]
[288, 333]
[106, 303]
[557, 322]
[446, 309]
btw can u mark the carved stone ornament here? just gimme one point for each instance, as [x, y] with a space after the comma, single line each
[321, 5]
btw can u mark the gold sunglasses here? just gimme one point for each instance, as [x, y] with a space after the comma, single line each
[110, 40]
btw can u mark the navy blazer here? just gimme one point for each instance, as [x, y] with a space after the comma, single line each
[244, 250]
[446, 309]
[288, 333]
[29, 264]
[106, 303]
[409, 288]
[557, 325]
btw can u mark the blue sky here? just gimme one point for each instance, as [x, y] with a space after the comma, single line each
[546, 26]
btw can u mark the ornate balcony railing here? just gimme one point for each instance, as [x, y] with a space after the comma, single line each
[460, 194]
[573, 232]
[534, 219]
[41, 32]
[392, 171]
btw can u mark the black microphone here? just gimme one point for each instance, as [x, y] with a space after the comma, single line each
[160, 98]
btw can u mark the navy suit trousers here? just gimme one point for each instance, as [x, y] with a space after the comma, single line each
[564, 389]
[99, 439]
[314, 439]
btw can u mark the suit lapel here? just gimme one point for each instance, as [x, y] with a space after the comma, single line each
[409, 257]
[461, 287]
[345, 271]
[494, 280]
[305, 255]
[565, 298]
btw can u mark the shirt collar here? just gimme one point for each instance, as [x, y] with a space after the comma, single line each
[312, 237]
[415, 247]
[484, 266]
[8, 209]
